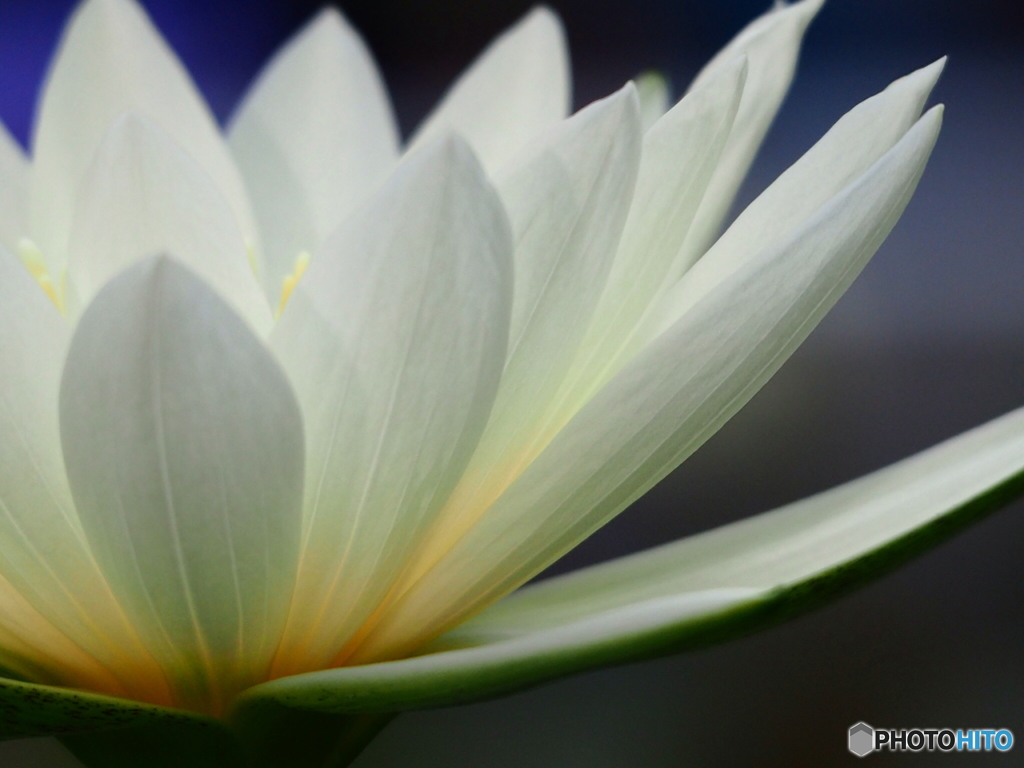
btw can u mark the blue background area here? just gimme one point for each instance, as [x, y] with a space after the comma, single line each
[928, 342]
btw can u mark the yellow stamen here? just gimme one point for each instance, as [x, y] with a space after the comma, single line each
[290, 281]
[33, 260]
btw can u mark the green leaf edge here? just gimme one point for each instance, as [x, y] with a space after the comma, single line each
[33, 709]
[473, 674]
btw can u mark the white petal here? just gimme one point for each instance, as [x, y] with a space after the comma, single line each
[784, 548]
[395, 340]
[112, 60]
[14, 175]
[856, 141]
[143, 196]
[678, 158]
[183, 446]
[313, 137]
[716, 585]
[43, 551]
[567, 196]
[652, 89]
[663, 404]
[516, 88]
[771, 43]
[680, 154]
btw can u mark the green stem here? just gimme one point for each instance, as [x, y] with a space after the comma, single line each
[275, 736]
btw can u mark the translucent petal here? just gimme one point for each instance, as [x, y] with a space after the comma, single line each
[43, 552]
[14, 175]
[184, 449]
[34, 649]
[143, 195]
[678, 158]
[680, 154]
[395, 341]
[567, 195]
[663, 404]
[516, 88]
[704, 589]
[313, 137]
[112, 60]
[778, 549]
[856, 141]
[771, 43]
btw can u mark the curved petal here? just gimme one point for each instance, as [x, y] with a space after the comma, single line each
[55, 593]
[395, 340]
[184, 450]
[666, 401]
[680, 155]
[14, 176]
[689, 594]
[563, 364]
[567, 195]
[313, 137]
[771, 44]
[142, 196]
[857, 140]
[516, 88]
[112, 60]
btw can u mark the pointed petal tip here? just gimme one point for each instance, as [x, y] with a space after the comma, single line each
[922, 136]
[935, 114]
[803, 11]
[625, 102]
[921, 81]
[929, 75]
[543, 16]
[543, 24]
[106, 11]
[626, 99]
[443, 156]
[154, 271]
[130, 123]
[809, 8]
[329, 20]
[155, 268]
[447, 149]
[328, 14]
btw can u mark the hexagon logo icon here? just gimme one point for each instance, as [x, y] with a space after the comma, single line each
[861, 739]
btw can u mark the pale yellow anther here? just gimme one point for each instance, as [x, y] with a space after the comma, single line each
[290, 281]
[32, 258]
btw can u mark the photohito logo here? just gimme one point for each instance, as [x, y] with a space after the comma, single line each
[862, 739]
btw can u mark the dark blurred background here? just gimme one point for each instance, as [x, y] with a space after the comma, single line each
[929, 342]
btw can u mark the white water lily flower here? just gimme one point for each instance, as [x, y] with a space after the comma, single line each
[281, 415]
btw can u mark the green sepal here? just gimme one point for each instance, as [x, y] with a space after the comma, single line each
[109, 732]
[31, 709]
